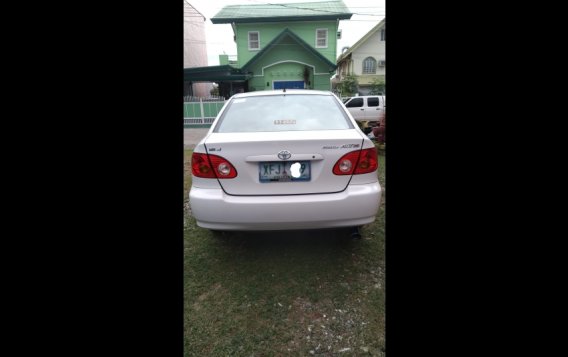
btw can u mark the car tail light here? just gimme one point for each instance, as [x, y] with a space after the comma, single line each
[357, 162]
[212, 166]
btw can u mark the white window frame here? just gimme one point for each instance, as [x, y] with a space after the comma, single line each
[326, 37]
[374, 65]
[248, 40]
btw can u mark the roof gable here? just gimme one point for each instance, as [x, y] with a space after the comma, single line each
[361, 41]
[288, 33]
[305, 11]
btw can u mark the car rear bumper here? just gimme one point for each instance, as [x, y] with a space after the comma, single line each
[355, 206]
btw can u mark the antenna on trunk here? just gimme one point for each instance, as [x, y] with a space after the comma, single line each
[284, 90]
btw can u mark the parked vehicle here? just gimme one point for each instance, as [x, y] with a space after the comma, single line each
[380, 131]
[306, 165]
[370, 108]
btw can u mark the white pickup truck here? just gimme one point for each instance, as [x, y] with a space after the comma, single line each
[367, 108]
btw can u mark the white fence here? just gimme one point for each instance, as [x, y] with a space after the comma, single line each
[213, 98]
[200, 111]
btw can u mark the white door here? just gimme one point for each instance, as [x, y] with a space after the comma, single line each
[356, 107]
[374, 110]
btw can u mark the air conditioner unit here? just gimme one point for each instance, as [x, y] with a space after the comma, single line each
[382, 63]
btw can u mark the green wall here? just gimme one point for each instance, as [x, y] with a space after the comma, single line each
[280, 72]
[280, 63]
[268, 31]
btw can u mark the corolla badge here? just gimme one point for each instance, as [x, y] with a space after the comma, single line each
[284, 155]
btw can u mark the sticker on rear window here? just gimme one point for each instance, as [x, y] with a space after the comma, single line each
[285, 121]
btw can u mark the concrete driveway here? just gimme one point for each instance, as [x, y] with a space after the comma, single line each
[192, 136]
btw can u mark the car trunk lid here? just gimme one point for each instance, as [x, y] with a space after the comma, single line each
[252, 153]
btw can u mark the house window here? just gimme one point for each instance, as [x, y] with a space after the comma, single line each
[369, 65]
[382, 34]
[321, 38]
[253, 40]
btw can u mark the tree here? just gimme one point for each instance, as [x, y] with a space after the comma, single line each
[348, 86]
[378, 86]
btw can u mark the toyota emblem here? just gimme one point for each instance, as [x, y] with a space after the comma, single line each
[284, 155]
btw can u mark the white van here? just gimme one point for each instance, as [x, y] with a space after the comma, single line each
[369, 107]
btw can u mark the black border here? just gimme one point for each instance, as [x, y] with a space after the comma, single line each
[461, 191]
[101, 178]
[104, 177]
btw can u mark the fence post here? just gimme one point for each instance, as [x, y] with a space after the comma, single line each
[202, 111]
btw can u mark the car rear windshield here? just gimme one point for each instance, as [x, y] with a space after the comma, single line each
[286, 112]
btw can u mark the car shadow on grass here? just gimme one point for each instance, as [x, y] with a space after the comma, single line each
[296, 260]
[287, 239]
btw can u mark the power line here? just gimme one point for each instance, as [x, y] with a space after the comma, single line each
[332, 12]
[303, 8]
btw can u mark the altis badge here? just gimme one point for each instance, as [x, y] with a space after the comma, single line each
[345, 146]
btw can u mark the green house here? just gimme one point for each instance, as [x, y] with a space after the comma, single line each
[284, 45]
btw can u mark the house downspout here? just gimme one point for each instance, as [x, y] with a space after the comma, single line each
[235, 39]
[335, 49]
[337, 69]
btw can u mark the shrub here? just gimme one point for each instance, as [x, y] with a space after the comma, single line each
[348, 86]
[378, 86]
[380, 131]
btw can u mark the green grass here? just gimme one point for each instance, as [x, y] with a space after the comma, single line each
[285, 293]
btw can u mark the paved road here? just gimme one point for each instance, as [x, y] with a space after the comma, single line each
[192, 136]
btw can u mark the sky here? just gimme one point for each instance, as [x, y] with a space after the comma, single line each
[220, 37]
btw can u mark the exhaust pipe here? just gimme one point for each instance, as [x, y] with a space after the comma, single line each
[355, 233]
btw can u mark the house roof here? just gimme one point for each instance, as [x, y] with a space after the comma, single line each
[304, 44]
[214, 73]
[361, 41]
[329, 10]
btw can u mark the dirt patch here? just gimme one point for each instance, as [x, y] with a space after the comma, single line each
[323, 329]
[201, 298]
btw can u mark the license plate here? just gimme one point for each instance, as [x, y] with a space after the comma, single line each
[284, 171]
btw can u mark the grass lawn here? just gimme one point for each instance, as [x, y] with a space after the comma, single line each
[286, 293]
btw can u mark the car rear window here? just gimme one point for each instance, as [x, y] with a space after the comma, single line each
[286, 112]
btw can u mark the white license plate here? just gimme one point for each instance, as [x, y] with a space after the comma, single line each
[284, 171]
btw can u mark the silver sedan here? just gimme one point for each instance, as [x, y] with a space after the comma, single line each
[283, 160]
